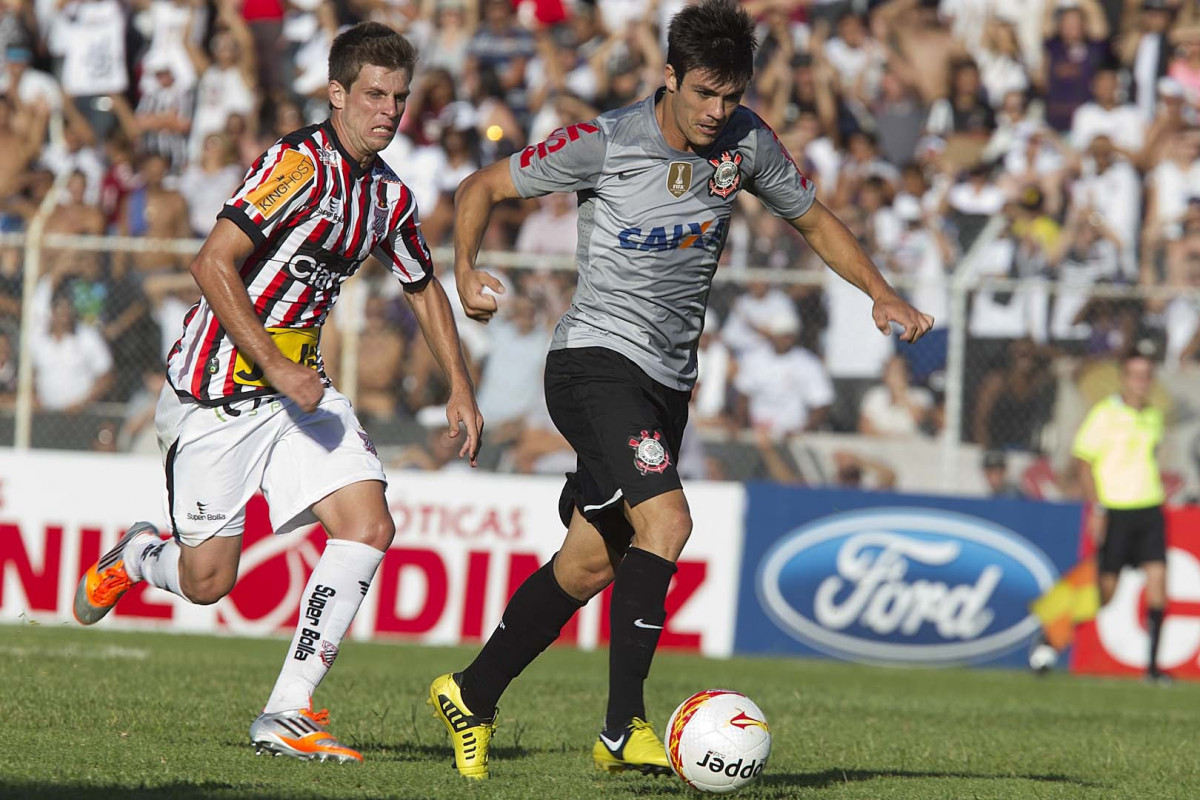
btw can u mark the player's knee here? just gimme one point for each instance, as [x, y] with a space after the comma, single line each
[593, 581]
[378, 533]
[208, 588]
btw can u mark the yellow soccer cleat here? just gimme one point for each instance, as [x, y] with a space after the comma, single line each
[637, 748]
[469, 734]
[105, 581]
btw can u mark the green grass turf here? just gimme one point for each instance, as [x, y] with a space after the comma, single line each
[97, 714]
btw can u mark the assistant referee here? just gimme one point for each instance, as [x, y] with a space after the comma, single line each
[1117, 446]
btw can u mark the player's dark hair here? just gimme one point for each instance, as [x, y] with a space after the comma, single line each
[368, 44]
[716, 36]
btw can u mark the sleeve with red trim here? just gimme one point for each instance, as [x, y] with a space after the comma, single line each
[404, 250]
[276, 187]
[776, 179]
[570, 159]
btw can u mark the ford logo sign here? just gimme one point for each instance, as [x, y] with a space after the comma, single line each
[905, 585]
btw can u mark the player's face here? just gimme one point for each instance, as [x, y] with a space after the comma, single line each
[701, 106]
[371, 108]
[1138, 375]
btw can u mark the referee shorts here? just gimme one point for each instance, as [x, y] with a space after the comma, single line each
[1132, 537]
[625, 428]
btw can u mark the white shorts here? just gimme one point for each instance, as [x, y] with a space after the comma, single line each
[217, 458]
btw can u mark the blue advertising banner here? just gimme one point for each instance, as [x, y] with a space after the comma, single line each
[901, 579]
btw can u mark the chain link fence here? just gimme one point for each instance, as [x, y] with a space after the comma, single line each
[795, 385]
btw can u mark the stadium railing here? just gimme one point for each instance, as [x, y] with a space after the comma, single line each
[945, 460]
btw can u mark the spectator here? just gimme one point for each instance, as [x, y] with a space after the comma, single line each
[1146, 52]
[155, 212]
[714, 367]
[1185, 67]
[8, 372]
[1014, 401]
[89, 37]
[995, 474]
[1001, 65]
[854, 471]
[1089, 253]
[501, 48]
[20, 143]
[445, 31]
[743, 331]
[228, 81]
[920, 254]
[895, 407]
[510, 388]
[783, 388]
[137, 434]
[1075, 50]
[163, 116]
[1169, 121]
[965, 113]
[439, 453]
[208, 182]
[27, 86]
[552, 229]
[1110, 187]
[1122, 123]
[72, 365]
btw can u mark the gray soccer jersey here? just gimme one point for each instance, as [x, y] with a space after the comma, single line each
[652, 223]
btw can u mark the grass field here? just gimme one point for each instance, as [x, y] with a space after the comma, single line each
[95, 714]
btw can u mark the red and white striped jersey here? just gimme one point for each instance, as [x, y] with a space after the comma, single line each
[314, 215]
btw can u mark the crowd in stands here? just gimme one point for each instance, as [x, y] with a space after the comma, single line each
[918, 120]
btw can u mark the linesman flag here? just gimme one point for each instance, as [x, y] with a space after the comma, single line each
[1073, 600]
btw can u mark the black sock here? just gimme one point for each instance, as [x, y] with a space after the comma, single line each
[1154, 620]
[532, 621]
[636, 618]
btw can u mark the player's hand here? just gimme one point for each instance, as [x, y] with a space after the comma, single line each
[301, 384]
[478, 304]
[892, 308]
[461, 408]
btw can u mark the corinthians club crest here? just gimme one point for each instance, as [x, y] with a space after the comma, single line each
[649, 455]
[727, 174]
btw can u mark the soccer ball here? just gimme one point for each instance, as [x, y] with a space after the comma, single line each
[718, 741]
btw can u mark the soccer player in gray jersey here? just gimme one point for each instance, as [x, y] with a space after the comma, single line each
[656, 183]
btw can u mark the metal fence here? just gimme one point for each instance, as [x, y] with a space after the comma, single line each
[1013, 365]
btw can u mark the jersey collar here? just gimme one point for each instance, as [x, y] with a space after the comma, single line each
[660, 141]
[356, 170]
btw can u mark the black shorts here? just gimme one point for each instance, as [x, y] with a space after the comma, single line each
[626, 429]
[1132, 537]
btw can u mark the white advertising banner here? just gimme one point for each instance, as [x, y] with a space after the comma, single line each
[464, 542]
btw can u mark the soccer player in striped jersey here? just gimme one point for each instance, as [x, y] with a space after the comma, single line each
[248, 405]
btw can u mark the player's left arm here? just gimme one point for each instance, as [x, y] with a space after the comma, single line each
[432, 310]
[837, 247]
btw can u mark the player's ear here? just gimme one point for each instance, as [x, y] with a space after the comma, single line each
[672, 83]
[337, 95]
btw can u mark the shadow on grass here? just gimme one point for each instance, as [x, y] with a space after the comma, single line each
[832, 777]
[171, 791]
[412, 751]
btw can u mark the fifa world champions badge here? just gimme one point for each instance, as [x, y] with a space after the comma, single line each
[649, 455]
[727, 174]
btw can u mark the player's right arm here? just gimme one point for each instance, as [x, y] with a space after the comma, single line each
[569, 160]
[215, 269]
[473, 204]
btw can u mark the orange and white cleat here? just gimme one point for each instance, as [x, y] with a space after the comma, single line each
[105, 581]
[301, 734]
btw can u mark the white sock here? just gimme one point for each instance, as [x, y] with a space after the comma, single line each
[157, 564]
[327, 607]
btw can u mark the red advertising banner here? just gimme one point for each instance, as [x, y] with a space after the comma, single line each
[464, 542]
[1116, 642]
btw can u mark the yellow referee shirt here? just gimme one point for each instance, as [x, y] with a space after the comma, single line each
[1119, 442]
